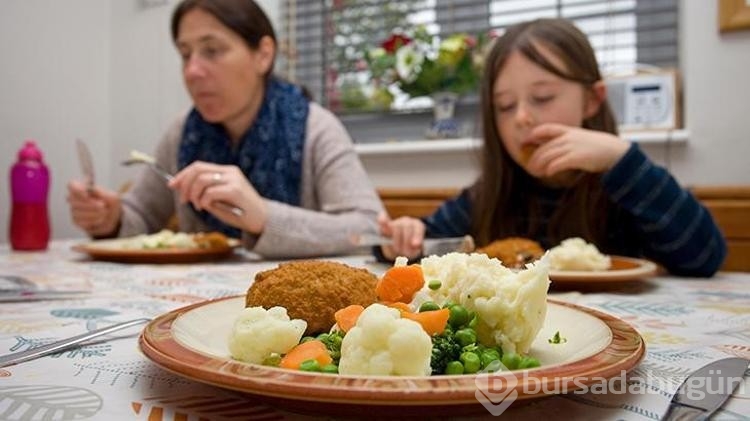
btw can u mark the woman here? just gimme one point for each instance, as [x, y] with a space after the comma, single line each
[254, 158]
[553, 165]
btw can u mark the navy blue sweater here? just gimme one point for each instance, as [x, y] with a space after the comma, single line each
[657, 219]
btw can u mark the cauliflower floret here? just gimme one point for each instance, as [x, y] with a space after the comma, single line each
[511, 305]
[577, 254]
[257, 333]
[382, 343]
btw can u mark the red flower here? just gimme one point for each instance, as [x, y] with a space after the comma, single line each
[395, 42]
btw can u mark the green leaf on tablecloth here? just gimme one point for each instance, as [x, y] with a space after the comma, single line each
[83, 313]
[56, 402]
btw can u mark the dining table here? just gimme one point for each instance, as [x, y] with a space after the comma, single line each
[686, 323]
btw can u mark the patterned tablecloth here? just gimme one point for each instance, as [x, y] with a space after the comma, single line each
[686, 323]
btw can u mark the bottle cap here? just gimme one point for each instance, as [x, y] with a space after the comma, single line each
[30, 152]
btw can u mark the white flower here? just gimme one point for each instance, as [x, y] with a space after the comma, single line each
[408, 62]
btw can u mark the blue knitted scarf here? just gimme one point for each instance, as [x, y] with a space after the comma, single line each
[269, 154]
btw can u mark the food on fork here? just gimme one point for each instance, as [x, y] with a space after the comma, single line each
[513, 252]
[142, 157]
[577, 254]
[312, 290]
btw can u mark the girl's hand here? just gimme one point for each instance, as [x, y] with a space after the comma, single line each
[216, 188]
[407, 234]
[563, 148]
[97, 211]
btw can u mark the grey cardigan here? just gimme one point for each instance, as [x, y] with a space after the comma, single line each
[337, 198]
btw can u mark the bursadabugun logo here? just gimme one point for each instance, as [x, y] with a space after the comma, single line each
[496, 391]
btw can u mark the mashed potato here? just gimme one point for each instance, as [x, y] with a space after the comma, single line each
[577, 254]
[511, 305]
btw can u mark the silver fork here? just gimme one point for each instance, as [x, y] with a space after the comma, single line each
[23, 356]
[161, 172]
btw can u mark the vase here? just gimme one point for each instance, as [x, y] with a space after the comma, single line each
[444, 124]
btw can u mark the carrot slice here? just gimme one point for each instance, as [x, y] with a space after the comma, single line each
[402, 307]
[310, 350]
[400, 283]
[433, 322]
[347, 317]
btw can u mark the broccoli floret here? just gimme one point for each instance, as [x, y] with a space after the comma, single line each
[444, 350]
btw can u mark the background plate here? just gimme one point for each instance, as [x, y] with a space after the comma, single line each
[107, 250]
[623, 269]
[192, 342]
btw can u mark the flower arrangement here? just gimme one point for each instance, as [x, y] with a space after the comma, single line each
[420, 64]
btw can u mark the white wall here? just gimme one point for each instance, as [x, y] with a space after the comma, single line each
[54, 87]
[105, 71]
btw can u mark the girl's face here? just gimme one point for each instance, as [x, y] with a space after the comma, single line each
[526, 95]
[224, 77]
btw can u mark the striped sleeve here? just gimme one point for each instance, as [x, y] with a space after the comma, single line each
[678, 232]
[451, 219]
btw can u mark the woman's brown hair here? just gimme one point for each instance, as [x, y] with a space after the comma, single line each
[505, 204]
[244, 17]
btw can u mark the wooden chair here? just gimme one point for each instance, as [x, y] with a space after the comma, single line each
[417, 202]
[729, 205]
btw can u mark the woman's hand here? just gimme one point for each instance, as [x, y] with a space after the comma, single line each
[563, 148]
[407, 234]
[96, 211]
[217, 188]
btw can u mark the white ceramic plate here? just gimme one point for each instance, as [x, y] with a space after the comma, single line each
[622, 269]
[113, 251]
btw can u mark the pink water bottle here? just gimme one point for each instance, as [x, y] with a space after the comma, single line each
[29, 187]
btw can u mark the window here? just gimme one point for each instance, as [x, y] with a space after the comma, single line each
[324, 41]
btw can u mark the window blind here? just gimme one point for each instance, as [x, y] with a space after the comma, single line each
[323, 41]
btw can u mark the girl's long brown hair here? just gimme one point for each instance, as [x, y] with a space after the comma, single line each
[505, 204]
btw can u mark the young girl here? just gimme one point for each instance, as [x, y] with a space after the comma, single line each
[553, 166]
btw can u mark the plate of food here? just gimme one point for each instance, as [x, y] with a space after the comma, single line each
[569, 347]
[162, 247]
[621, 269]
[572, 261]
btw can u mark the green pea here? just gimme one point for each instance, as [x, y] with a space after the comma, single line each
[454, 367]
[310, 365]
[511, 360]
[448, 304]
[488, 356]
[330, 369]
[471, 362]
[434, 284]
[273, 360]
[428, 306]
[493, 366]
[459, 316]
[465, 337]
[529, 362]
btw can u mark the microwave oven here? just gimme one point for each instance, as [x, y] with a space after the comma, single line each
[645, 101]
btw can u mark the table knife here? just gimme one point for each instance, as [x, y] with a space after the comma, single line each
[61, 345]
[706, 390]
[86, 163]
[430, 246]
